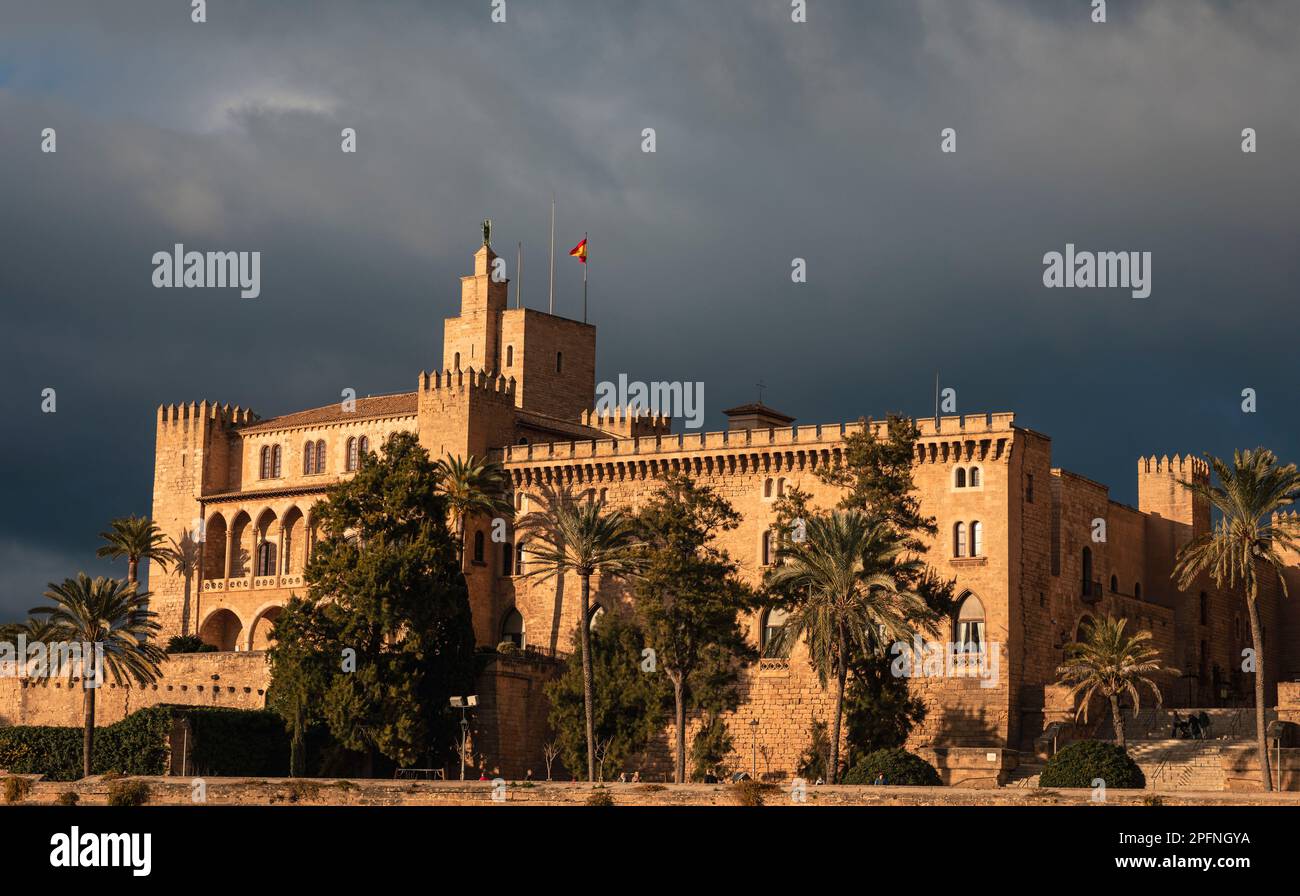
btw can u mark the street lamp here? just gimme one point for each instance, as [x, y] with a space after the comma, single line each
[463, 703]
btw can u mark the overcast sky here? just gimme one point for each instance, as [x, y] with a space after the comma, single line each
[774, 141]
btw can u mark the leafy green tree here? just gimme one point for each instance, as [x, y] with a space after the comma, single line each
[472, 487]
[1248, 538]
[112, 617]
[711, 745]
[136, 538]
[877, 476]
[584, 539]
[1108, 664]
[879, 708]
[812, 763]
[688, 596]
[385, 593]
[850, 598]
[629, 706]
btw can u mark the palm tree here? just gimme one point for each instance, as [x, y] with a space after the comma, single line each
[136, 538]
[848, 577]
[33, 631]
[472, 487]
[1109, 663]
[585, 539]
[112, 617]
[1248, 537]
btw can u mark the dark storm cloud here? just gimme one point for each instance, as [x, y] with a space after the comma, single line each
[774, 141]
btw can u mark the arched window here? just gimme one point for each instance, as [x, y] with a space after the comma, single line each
[977, 539]
[767, 488]
[519, 558]
[1084, 630]
[266, 559]
[1114, 584]
[969, 633]
[604, 496]
[275, 461]
[559, 362]
[510, 356]
[308, 459]
[960, 481]
[457, 362]
[478, 546]
[363, 447]
[974, 477]
[767, 547]
[352, 454]
[507, 559]
[265, 470]
[959, 540]
[512, 629]
[780, 487]
[772, 633]
[1087, 572]
[320, 456]
[1137, 590]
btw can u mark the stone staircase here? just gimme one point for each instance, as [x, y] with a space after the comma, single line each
[1182, 763]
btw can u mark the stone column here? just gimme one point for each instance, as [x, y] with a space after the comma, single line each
[230, 552]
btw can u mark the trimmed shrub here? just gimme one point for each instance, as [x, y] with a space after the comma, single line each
[226, 742]
[898, 767]
[749, 792]
[128, 793]
[238, 742]
[16, 788]
[600, 797]
[137, 745]
[1084, 761]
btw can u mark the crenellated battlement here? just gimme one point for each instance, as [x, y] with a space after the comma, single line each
[1188, 467]
[220, 414]
[824, 436]
[969, 424]
[468, 378]
[628, 422]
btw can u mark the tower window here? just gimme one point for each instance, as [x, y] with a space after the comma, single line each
[457, 362]
[959, 540]
[559, 362]
[974, 477]
[308, 459]
[507, 559]
[977, 539]
[478, 546]
[969, 631]
[510, 356]
[352, 454]
[767, 547]
[320, 456]
[961, 477]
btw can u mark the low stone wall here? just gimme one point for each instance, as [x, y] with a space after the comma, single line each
[231, 680]
[320, 792]
[1241, 768]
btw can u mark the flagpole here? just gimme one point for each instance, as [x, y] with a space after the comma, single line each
[586, 260]
[552, 301]
[519, 273]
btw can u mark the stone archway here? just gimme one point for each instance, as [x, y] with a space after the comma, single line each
[259, 637]
[221, 629]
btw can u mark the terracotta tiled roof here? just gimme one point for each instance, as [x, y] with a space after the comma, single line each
[395, 405]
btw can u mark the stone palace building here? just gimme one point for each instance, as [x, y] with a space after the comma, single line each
[1015, 533]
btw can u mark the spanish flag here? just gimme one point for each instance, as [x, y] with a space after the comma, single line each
[580, 251]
